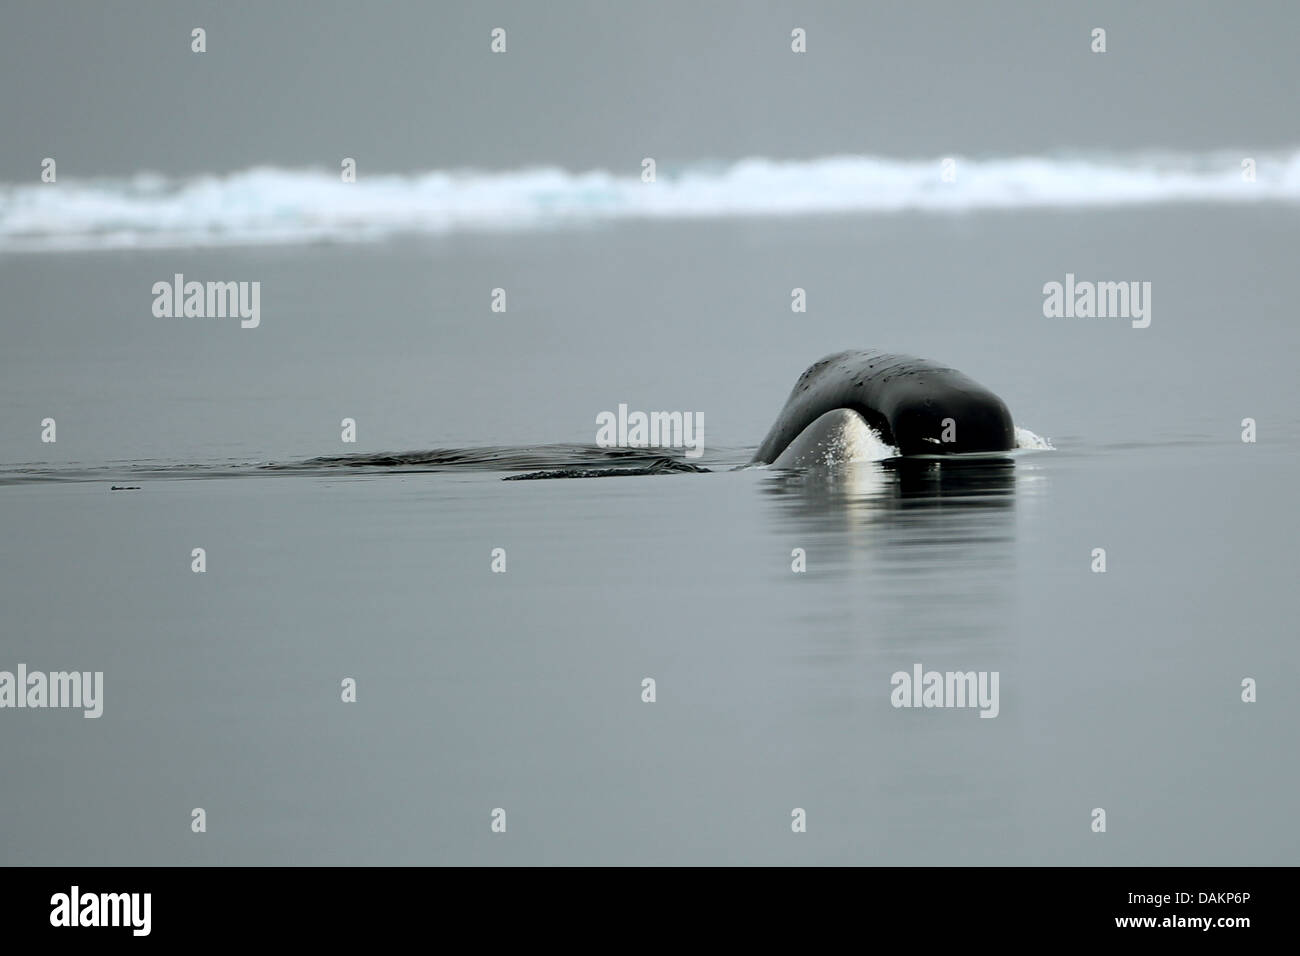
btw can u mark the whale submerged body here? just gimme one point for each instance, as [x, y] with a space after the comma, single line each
[917, 406]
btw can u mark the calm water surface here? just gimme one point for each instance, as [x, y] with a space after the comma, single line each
[523, 690]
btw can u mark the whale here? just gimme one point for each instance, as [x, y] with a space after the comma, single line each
[843, 407]
[918, 406]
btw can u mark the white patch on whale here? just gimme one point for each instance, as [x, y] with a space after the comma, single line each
[838, 437]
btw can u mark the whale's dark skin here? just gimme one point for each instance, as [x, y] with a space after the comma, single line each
[905, 399]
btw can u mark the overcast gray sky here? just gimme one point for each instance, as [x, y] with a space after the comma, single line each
[112, 88]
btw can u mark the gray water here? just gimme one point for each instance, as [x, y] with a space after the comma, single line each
[478, 690]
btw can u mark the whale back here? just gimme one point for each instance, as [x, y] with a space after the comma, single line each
[911, 402]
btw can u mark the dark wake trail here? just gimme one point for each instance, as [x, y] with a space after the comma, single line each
[531, 462]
